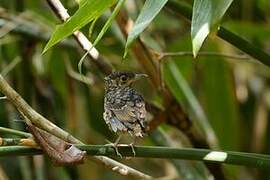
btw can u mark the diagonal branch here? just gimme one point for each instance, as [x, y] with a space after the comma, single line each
[48, 126]
[82, 40]
[32, 115]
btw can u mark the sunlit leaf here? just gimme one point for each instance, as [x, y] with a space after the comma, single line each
[205, 18]
[150, 9]
[88, 11]
[103, 30]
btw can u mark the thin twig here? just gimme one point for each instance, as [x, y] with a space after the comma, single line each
[161, 55]
[79, 77]
[11, 65]
[30, 114]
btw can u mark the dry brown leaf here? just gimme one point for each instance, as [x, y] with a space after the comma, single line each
[59, 151]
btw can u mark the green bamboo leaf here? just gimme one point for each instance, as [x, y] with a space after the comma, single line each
[88, 11]
[150, 9]
[219, 100]
[103, 30]
[183, 93]
[205, 18]
[81, 2]
[109, 21]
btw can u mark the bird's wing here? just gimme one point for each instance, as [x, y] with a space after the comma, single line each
[131, 112]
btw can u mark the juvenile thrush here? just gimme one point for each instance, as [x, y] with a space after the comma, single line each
[124, 108]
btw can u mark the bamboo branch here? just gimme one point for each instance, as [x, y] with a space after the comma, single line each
[187, 170]
[32, 115]
[259, 161]
[18, 142]
[15, 132]
[243, 45]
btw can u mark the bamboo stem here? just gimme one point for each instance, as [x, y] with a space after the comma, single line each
[259, 161]
[18, 142]
[15, 132]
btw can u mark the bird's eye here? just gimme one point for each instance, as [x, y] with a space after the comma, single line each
[123, 78]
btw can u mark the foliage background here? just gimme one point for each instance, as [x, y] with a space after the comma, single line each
[232, 94]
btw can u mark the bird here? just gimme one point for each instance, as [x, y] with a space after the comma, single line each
[124, 107]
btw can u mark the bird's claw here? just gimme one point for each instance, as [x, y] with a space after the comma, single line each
[117, 152]
[115, 146]
[132, 148]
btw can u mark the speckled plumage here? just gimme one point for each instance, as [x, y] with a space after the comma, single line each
[124, 108]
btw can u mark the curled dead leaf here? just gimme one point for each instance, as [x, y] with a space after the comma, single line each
[59, 151]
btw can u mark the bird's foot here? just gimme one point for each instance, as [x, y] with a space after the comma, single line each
[115, 146]
[132, 148]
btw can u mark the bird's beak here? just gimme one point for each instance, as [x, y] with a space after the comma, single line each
[140, 76]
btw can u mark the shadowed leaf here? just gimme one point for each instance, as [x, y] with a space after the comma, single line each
[150, 9]
[183, 93]
[220, 100]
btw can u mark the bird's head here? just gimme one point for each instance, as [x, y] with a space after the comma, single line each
[120, 79]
